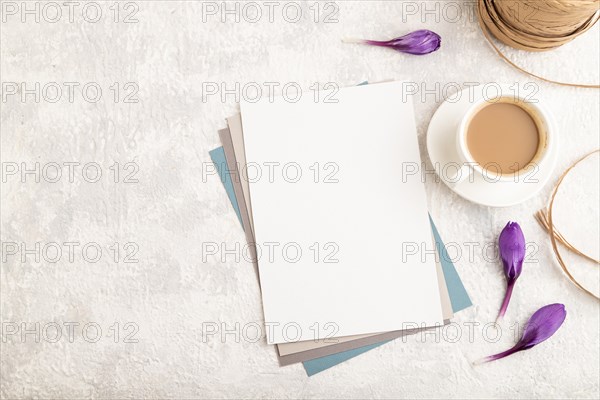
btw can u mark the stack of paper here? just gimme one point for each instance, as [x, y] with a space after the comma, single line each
[323, 197]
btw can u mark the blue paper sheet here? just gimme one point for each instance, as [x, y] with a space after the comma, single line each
[218, 158]
[458, 294]
[459, 297]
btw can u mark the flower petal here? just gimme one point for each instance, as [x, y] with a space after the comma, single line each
[543, 324]
[512, 249]
[418, 42]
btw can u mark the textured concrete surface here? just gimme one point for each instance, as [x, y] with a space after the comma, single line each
[160, 210]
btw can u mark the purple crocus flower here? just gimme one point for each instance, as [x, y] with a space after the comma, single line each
[542, 324]
[418, 42]
[512, 252]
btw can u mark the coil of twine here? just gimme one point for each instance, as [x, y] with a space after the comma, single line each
[544, 217]
[537, 25]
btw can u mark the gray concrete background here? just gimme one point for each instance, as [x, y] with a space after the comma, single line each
[159, 209]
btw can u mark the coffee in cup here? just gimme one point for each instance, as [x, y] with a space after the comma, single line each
[503, 138]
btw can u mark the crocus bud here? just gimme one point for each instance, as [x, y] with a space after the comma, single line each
[418, 42]
[542, 324]
[512, 252]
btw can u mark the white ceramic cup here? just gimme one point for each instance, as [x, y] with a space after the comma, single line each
[469, 166]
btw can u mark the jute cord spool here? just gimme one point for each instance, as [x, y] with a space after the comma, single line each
[536, 25]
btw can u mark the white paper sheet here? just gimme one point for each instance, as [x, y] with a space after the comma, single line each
[310, 166]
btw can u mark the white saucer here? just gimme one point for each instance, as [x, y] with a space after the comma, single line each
[441, 146]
